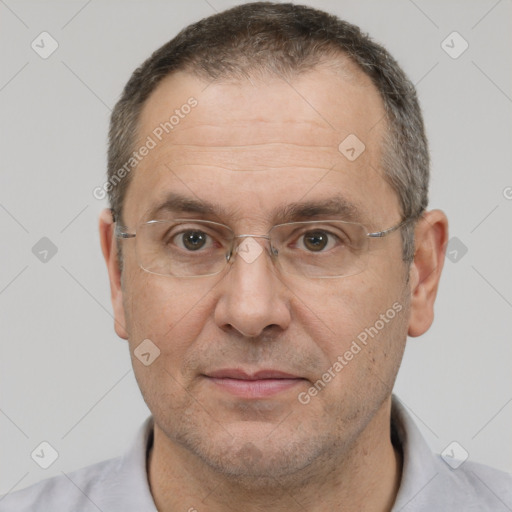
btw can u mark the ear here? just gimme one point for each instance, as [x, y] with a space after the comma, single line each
[431, 236]
[109, 248]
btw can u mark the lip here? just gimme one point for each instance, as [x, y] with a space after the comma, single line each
[260, 384]
[239, 374]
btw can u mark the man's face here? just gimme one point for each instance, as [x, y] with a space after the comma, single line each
[249, 150]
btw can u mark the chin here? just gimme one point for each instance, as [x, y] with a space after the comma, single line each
[257, 455]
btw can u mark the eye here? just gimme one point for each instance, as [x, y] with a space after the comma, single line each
[192, 240]
[317, 241]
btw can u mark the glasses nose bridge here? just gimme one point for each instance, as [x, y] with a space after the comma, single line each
[267, 237]
[237, 240]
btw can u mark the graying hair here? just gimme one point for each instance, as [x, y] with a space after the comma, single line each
[285, 39]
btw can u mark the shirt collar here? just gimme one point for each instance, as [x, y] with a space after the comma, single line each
[419, 464]
[131, 485]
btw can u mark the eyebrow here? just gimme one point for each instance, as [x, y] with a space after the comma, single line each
[176, 203]
[336, 207]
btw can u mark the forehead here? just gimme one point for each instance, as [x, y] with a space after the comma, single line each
[262, 142]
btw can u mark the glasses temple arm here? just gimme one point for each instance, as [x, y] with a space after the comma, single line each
[121, 232]
[380, 234]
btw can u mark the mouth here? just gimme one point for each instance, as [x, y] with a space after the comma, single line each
[261, 384]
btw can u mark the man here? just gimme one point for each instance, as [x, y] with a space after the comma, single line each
[269, 251]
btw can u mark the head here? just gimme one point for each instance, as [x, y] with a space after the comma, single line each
[264, 97]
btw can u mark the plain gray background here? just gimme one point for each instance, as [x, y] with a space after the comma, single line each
[65, 376]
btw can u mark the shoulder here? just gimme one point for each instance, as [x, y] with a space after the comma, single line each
[77, 490]
[431, 482]
[476, 486]
[118, 484]
[472, 487]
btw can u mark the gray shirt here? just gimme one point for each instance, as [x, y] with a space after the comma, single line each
[121, 485]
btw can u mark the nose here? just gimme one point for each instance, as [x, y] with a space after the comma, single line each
[252, 297]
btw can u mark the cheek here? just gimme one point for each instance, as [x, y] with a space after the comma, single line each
[359, 318]
[169, 312]
[361, 336]
[171, 315]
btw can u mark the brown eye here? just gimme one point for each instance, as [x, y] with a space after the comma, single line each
[316, 241]
[192, 240]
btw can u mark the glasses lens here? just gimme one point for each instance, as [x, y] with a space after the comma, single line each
[321, 249]
[183, 248]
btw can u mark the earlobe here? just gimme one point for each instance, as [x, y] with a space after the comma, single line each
[431, 236]
[109, 249]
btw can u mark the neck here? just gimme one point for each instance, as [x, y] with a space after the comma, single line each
[367, 476]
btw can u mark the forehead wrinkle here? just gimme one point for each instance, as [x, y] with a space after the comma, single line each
[258, 157]
[220, 147]
[267, 150]
[254, 168]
